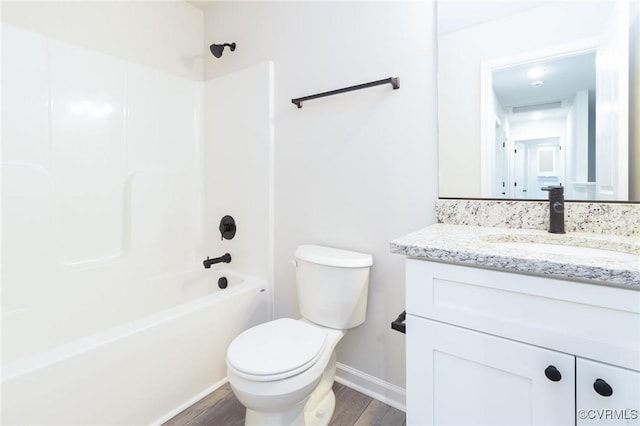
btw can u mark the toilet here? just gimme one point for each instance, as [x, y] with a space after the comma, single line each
[282, 371]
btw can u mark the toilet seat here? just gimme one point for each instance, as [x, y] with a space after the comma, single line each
[276, 350]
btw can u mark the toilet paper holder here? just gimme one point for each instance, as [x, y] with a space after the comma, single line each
[399, 324]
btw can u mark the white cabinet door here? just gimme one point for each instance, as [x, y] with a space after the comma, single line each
[460, 377]
[606, 395]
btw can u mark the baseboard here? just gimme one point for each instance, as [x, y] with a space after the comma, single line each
[388, 393]
[188, 403]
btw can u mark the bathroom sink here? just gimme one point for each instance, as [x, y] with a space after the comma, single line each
[568, 245]
[551, 249]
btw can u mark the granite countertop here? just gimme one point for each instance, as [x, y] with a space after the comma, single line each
[483, 247]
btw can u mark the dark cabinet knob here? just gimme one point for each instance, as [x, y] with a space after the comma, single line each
[552, 373]
[602, 388]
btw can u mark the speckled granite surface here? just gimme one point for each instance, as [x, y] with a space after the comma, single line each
[599, 218]
[485, 246]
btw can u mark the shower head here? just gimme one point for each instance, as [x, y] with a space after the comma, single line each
[217, 49]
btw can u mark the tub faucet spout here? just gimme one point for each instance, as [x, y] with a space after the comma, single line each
[556, 208]
[226, 258]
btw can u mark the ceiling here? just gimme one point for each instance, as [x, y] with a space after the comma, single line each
[563, 77]
[454, 15]
[200, 4]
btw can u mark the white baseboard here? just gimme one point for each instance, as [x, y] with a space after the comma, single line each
[371, 386]
[188, 403]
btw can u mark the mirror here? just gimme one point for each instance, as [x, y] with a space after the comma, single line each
[528, 98]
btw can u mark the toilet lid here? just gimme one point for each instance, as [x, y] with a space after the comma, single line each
[276, 350]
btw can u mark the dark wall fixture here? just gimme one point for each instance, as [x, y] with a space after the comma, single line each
[393, 81]
[227, 231]
[225, 258]
[227, 227]
[399, 324]
[217, 49]
[223, 282]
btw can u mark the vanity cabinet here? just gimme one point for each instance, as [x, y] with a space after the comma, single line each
[497, 348]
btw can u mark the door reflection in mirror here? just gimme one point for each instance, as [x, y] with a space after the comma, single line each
[541, 103]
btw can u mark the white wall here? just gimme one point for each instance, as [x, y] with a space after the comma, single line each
[165, 35]
[537, 129]
[460, 54]
[634, 103]
[577, 147]
[351, 171]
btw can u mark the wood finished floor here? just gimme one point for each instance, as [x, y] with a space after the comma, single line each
[221, 408]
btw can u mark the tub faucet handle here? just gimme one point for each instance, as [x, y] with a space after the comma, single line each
[227, 228]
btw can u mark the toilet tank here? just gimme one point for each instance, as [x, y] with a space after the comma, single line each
[332, 285]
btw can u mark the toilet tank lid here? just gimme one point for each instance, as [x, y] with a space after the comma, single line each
[333, 257]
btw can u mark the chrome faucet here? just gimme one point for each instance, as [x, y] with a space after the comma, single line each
[226, 258]
[556, 208]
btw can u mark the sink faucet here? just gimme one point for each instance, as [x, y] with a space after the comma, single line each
[556, 208]
[226, 258]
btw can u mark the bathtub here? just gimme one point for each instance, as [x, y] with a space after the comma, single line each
[141, 372]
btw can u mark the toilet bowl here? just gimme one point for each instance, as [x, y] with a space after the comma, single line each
[286, 385]
[282, 371]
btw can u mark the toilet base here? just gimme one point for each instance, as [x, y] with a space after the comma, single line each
[294, 416]
[322, 413]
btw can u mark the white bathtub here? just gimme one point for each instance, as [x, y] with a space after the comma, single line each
[139, 373]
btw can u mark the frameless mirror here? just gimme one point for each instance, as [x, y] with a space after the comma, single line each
[529, 98]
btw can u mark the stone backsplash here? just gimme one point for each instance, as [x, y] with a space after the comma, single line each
[599, 218]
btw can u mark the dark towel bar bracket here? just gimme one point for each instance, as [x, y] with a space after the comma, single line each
[399, 324]
[394, 81]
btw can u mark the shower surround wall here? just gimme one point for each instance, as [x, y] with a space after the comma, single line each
[238, 167]
[113, 185]
[100, 182]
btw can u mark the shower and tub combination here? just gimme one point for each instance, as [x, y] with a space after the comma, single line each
[104, 165]
[144, 371]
